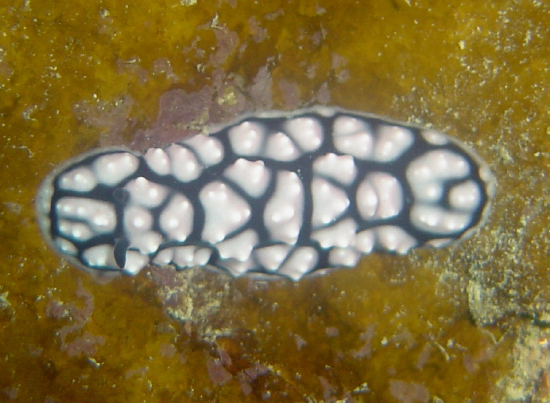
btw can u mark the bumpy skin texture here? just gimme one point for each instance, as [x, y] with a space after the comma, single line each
[276, 193]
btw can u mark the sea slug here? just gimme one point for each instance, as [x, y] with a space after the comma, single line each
[275, 194]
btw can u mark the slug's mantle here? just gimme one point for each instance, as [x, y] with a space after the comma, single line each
[272, 194]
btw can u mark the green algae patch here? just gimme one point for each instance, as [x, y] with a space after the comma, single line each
[461, 324]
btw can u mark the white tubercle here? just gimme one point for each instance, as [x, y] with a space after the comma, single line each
[306, 132]
[434, 137]
[100, 256]
[247, 138]
[435, 167]
[190, 256]
[202, 256]
[158, 161]
[66, 246]
[353, 136]
[346, 125]
[225, 211]
[252, 176]
[77, 231]
[147, 242]
[364, 241]
[366, 199]
[329, 202]
[209, 149]
[379, 196]
[111, 169]
[238, 247]
[135, 261]
[283, 212]
[137, 228]
[346, 257]
[176, 220]
[359, 145]
[137, 220]
[465, 196]
[237, 267]
[341, 234]
[164, 257]
[183, 163]
[301, 261]
[146, 193]
[391, 143]
[271, 257]
[426, 176]
[281, 148]
[431, 192]
[80, 179]
[341, 168]
[99, 215]
[438, 220]
[395, 239]
[184, 256]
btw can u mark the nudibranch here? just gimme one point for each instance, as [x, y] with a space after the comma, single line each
[271, 194]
